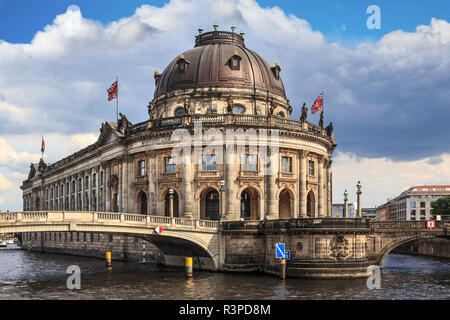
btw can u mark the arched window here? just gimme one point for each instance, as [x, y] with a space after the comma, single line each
[212, 205]
[179, 112]
[281, 114]
[235, 61]
[238, 109]
[310, 205]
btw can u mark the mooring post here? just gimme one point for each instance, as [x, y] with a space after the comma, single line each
[108, 261]
[188, 265]
[283, 269]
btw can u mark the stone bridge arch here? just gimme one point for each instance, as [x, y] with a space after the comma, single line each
[398, 241]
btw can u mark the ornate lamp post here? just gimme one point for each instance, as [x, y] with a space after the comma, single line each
[222, 202]
[358, 195]
[345, 204]
[171, 192]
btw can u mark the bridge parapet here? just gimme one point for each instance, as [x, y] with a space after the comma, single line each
[402, 226]
[11, 218]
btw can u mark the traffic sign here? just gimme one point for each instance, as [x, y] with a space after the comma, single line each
[280, 251]
[287, 254]
[158, 229]
[431, 224]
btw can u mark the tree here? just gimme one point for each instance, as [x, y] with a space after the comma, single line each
[441, 206]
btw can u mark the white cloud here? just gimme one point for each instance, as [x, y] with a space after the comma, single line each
[4, 183]
[383, 178]
[386, 99]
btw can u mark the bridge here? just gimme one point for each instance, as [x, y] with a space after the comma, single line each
[320, 247]
[180, 237]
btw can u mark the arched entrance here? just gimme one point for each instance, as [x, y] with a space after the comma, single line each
[175, 204]
[141, 203]
[209, 204]
[284, 205]
[310, 205]
[249, 204]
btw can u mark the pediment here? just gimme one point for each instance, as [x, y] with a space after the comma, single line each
[32, 172]
[108, 134]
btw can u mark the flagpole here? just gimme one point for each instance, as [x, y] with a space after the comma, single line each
[117, 102]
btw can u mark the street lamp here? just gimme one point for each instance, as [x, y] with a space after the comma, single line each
[171, 192]
[345, 204]
[222, 191]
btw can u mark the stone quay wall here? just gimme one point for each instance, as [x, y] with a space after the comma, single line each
[436, 247]
[91, 244]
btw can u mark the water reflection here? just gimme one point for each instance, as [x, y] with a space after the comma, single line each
[29, 275]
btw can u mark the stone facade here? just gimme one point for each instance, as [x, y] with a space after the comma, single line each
[90, 244]
[221, 89]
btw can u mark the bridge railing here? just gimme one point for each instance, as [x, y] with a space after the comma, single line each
[102, 217]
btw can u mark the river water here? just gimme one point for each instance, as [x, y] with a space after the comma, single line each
[30, 275]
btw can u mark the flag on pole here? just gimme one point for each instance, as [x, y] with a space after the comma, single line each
[43, 145]
[113, 91]
[318, 104]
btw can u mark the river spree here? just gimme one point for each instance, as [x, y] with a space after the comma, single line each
[30, 275]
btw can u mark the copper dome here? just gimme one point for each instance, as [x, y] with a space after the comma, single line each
[210, 64]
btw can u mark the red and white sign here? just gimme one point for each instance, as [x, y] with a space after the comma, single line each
[431, 224]
[158, 229]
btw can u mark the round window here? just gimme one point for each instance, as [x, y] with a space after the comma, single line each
[238, 109]
[179, 112]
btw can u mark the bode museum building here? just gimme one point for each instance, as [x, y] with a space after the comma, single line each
[219, 143]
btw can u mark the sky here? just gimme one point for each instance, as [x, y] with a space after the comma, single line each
[387, 90]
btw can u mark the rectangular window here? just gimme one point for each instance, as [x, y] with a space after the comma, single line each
[101, 178]
[412, 204]
[422, 212]
[286, 164]
[94, 180]
[208, 162]
[311, 168]
[86, 182]
[110, 238]
[422, 204]
[141, 165]
[79, 184]
[250, 162]
[170, 164]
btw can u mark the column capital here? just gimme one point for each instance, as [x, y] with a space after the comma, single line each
[303, 154]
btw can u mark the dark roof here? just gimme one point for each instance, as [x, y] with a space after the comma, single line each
[209, 65]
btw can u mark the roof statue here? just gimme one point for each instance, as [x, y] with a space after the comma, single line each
[304, 112]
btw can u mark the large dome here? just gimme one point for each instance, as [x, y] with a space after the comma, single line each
[219, 59]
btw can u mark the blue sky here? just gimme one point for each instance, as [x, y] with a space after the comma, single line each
[387, 91]
[19, 20]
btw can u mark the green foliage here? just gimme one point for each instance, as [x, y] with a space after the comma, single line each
[441, 206]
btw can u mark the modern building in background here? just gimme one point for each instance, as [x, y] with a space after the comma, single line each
[412, 204]
[369, 213]
[338, 210]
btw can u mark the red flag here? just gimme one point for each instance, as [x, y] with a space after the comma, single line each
[318, 104]
[43, 145]
[112, 92]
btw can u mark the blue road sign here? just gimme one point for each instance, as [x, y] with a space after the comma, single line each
[287, 254]
[280, 251]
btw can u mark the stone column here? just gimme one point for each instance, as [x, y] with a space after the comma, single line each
[271, 185]
[107, 188]
[329, 206]
[358, 199]
[321, 196]
[345, 214]
[187, 176]
[130, 190]
[124, 205]
[171, 202]
[120, 186]
[231, 169]
[302, 177]
[152, 181]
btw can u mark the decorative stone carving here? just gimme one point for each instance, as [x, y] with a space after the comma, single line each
[304, 112]
[339, 247]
